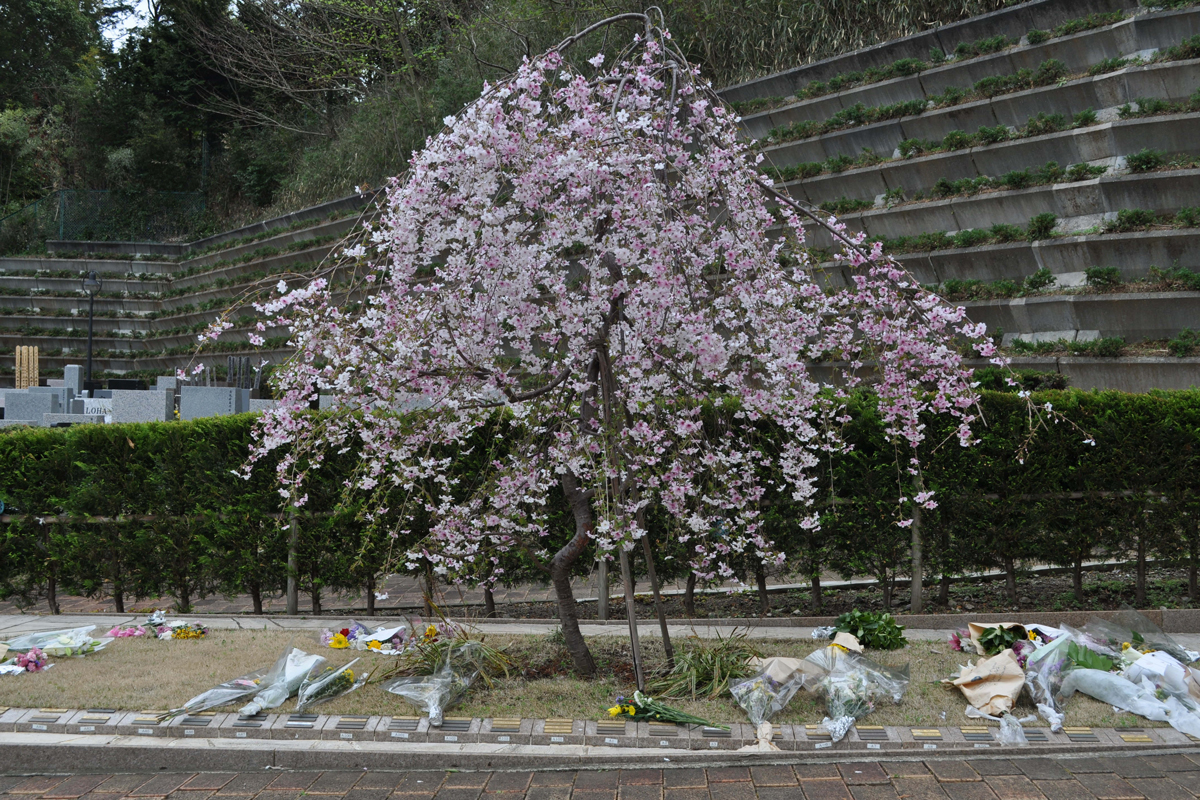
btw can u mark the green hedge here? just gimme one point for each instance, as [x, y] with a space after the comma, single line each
[132, 511]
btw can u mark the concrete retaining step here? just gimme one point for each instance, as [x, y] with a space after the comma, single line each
[1077, 205]
[1014, 21]
[1067, 257]
[1132, 316]
[1103, 143]
[1172, 80]
[1139, 34]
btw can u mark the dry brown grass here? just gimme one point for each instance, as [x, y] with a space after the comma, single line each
[139, 675]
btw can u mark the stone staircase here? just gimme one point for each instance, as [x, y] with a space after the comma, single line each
[1072, 145]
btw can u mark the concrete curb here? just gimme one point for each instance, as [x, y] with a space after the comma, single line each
[49, 753]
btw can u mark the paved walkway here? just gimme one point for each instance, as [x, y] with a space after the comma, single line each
[406, 593]
[1171, 776]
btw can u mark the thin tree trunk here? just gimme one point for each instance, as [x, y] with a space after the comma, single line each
[944, 582]
[52, 593]
[689, 596]
[428, 593]
[1077, 578]
[1193, 589]
[489, 603]
[293, 564]
[658, 602]
[818, 598]
[918, 567]
[315, 595]
[602, 591]
[764, 600]
[560, 577]
[256, 597]
[886, 585]
[371, 596]
[1010, 578]
[1140, 593]
[631, 615]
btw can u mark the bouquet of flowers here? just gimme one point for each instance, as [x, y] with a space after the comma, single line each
[852, 684]
[763, 695]
[329, 683]
[642, 707]
[72, 642]
[190, 630]
[223, 693]
[117, 632]
[284, 680]
[33, 661]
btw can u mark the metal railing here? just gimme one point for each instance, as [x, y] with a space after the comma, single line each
[102, 215]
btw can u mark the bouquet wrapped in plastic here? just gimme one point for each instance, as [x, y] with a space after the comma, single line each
[219, 695]
[1128, 629]
[329, 683]
[766, 693]
[448, 684]
[283, 680]
[70, 642]
[852, 685]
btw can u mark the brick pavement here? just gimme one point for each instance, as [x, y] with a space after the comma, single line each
[1174, 776]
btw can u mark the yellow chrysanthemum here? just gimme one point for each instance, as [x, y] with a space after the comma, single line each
[374, 645]
[615, 711]
[339, 642]
[1032, 636]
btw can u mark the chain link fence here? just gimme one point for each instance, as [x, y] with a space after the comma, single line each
[101, 215]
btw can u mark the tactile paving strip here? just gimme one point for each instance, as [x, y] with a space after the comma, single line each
[871, 733]
[301, 721]
[456, 724]
[509, 725]
[716, 733]
[1036, 735]
[253, 721]
[817, 732]
[608, 727]
[926, 734]
[1133, 735]
[404, 724]
[559, 727]
[658, 729]
[977, 734]
[351, 723]
[1080, 734]
[197, 721]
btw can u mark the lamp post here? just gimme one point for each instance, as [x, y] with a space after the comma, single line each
[91, 285]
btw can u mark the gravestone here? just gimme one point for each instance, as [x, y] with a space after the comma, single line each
[64, 394]
[149, 406]
[30, 406]
[73, 378]
[257, 405]
[97, 405]
[196, 402]
[167, 382]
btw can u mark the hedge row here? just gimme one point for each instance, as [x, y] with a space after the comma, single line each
[147, 510]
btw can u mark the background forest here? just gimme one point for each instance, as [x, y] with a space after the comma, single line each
[266, 106]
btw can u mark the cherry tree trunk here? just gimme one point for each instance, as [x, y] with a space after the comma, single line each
[689, 595]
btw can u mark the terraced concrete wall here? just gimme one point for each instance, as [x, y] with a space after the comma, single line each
[912, 196]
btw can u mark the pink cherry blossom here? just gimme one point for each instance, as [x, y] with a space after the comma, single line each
[593, 252]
